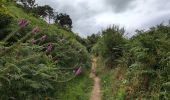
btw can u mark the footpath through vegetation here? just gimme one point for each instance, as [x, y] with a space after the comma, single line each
[95, 95]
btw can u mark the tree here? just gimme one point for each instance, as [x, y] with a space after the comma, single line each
[41, 11]
[28, 3]
[64, 20]
[49, 11]
[31, 3]
[45, 12]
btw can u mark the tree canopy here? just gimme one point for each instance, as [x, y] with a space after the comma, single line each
[64, 20]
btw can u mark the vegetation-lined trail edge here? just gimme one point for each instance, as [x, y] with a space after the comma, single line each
[95, 95]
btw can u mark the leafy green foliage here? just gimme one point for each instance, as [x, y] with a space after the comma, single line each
[88, 42]
[110, 46]
[44, 11]
[5, 20]
[64, 20]
[35, 65]
[31, 73]
[145, 59]
[5, 17]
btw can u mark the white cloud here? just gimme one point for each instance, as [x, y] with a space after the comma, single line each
[90, 16]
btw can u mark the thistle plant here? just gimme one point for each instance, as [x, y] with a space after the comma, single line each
[49, 48]
[23, 23]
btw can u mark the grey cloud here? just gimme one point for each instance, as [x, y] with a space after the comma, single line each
[120, 5]
[157, 20]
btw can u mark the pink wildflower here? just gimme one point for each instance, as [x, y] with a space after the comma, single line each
[35, 30]
[49, 48]
[22, 23]
[78, 72]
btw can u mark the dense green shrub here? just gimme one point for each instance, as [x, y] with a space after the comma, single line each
[5, 16]
[5, 19]
[145, 59]
[110, 46]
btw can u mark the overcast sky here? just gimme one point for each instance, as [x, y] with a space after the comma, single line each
[91, 16]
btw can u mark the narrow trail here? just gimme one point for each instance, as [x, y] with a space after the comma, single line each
[95, 94]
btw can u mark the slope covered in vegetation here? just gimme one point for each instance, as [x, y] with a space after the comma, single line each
[39, 61]
[135, 68]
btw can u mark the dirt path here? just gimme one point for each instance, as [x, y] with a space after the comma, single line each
[95, 95]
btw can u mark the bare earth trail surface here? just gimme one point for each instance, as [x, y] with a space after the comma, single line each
[95, 95]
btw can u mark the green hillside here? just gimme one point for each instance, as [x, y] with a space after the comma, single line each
[40, 63]
[18, 13]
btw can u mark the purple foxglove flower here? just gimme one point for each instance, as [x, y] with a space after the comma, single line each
[43, 38]
[49, 48]
[78, 72]
[22, 23]
[35, 30]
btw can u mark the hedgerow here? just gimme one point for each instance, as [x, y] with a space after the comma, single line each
[140, 64]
